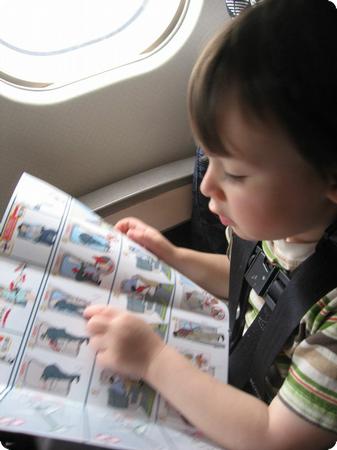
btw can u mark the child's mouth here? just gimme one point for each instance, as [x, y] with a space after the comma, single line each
[225, 220]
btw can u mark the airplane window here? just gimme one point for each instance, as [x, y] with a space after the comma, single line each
[48, 42]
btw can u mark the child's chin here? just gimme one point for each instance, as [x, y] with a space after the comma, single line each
[244, 235]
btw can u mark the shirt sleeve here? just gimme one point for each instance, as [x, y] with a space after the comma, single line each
[310, 388]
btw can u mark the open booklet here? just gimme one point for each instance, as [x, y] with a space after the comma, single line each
[56, 258]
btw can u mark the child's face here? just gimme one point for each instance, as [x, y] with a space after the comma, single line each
[265, 189]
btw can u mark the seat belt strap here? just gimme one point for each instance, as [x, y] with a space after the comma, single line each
[268, 281]
[241, 358]
[242, 251]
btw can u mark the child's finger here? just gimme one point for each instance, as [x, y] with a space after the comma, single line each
[149, 238]
[93, 310]
[137, 235]
[144, 236]
[124, 225]
[102, 310]
[97, 325]
[97, 343]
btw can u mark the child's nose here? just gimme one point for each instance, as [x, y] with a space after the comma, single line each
[210, 187]
[204, 186]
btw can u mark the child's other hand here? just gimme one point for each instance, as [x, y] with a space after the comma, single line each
[123, 342]
[148, 237]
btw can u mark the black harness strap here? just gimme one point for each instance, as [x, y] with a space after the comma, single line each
[241, 253]
[287, 300]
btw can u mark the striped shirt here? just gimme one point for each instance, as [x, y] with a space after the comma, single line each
[304, 374]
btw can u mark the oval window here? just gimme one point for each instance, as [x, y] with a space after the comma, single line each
[44, 42]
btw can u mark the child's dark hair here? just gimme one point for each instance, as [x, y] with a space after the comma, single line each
[280, 57]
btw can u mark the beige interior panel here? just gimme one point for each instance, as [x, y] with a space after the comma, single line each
[163, 211]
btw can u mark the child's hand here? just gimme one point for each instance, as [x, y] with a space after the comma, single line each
[148, 237]
[123, 342]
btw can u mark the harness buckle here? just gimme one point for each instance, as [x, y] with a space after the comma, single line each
[267, 280]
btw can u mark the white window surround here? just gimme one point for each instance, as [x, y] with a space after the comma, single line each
[78, 79]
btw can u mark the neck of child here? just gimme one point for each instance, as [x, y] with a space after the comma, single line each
[313, 235]
[302, 239]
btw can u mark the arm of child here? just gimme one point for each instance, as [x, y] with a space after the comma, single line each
[232, 418]
[210, 271]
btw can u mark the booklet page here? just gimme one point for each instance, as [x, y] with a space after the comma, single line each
[56, 258]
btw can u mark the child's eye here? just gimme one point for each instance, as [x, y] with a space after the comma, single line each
[234, 178]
